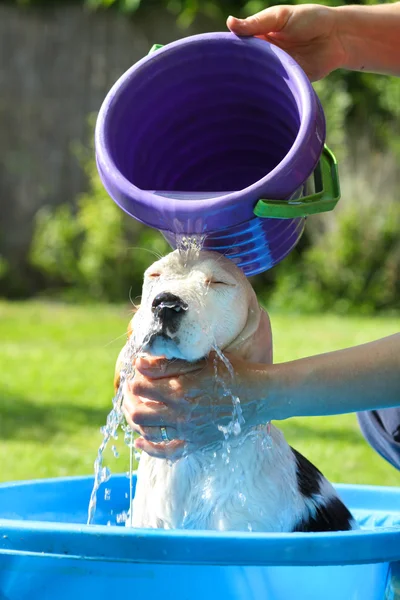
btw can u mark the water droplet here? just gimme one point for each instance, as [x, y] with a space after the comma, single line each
[105, 474]
[236, 429]
[128, 438]
[122, 517]
[107, 494]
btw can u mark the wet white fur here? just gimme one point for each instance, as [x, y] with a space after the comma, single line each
[201, 491]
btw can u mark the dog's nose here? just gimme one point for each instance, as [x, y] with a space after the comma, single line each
[168, 307]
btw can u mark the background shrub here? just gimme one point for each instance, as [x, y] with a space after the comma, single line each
[352, 262]
[93, 251]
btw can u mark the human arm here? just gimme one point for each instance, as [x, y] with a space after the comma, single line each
[364, 377]
[322, 38]
[361, 378]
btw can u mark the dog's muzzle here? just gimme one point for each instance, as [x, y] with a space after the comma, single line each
[168, 310]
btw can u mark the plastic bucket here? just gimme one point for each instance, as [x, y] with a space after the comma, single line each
[218, 135]
[48, 553]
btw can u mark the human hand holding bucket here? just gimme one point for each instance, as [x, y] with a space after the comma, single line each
[219, 136]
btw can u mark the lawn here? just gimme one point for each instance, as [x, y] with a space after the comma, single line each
[57, 365]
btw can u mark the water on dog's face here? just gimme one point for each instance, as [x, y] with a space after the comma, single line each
[210, 305]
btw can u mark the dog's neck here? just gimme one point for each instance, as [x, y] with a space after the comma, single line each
[234, 442]
[209, 485]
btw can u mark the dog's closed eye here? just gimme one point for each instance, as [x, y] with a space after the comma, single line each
[154, 275]
[216, 282]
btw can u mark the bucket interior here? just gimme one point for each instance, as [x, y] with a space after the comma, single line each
[205, 116]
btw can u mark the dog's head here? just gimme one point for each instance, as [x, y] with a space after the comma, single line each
[191, 304]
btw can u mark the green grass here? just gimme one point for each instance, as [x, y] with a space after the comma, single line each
[56, 374]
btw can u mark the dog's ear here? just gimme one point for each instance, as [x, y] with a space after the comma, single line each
[254, 343]
[130, 324]
[118, 365]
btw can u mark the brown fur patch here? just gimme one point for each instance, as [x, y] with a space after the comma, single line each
[117, 377]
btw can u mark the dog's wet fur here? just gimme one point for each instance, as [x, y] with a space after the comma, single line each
[189, 305]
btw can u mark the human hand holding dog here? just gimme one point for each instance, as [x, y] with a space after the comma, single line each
[181, 397]
[356, 379]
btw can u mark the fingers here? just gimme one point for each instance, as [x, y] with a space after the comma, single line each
[270, 20]
[154, 434]
[161, 368]
[171, 450]
[145, 414]
[166, 390]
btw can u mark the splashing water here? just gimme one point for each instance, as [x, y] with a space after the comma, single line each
[189, 246]
[130, 442]
[258, 435]
[234, 426]
[234, 438]
[115, 419]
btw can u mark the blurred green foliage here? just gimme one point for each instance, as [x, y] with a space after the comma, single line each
[94, 251]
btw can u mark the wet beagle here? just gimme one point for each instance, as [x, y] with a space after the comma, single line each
[192, 303]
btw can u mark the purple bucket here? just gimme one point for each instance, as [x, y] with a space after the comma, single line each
[197, 136]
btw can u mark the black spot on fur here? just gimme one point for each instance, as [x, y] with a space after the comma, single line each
[333, 516]
[308, 476]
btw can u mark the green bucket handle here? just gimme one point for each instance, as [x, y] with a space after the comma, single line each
[324, 183]
[155, 47]
[323, 189]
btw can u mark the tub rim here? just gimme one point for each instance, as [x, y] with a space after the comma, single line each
[147, 546]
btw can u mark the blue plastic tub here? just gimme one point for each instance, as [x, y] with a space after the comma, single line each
[48, 553]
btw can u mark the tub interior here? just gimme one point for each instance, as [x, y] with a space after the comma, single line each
[66, 501]
[209, 117]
